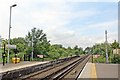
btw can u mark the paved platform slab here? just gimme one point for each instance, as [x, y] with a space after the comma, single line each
[107, 70]
[87, 71]
[12, 66]
[100, 70]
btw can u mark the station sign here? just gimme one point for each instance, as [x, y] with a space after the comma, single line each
[11, 46]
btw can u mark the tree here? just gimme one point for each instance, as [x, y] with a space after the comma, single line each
[76, 47]
[70, 51]
[115, 45]
[88, 50]
[54, 52]
[78, 50]
[116, 59]
[39, 40]
[20, 43]
[37, 35]
[101, 49]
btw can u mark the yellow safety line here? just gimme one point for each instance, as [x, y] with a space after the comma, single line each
[93, 72]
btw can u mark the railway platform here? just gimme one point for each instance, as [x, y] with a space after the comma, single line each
[23, 64]
[100, 71]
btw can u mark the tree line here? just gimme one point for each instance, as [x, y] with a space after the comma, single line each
[100, 48]
[37, 41]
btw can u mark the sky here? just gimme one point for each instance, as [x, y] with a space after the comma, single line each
[66, 22]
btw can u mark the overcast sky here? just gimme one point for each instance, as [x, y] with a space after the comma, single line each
[66, 22]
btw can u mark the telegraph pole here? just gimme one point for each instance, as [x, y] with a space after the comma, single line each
[106, 46]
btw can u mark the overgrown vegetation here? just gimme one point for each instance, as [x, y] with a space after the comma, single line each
[116, 59]
[37, 41]
[41, 46]
[100, 49]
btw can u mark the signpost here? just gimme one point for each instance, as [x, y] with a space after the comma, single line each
[11, 46]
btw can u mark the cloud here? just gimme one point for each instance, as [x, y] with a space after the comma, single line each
[89, 39]
[55, 17]
[94, 0]
[105, 25]
[98, 27]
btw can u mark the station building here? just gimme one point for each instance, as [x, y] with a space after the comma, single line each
[116, 51]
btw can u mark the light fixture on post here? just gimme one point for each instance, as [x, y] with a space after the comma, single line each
[9, 31]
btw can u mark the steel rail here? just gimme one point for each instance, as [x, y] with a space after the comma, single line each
[64, 71]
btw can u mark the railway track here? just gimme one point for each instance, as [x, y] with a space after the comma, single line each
[21, 72]
[68, 69]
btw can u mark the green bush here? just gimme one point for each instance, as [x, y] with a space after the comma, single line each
[100, 59]
[116, 59]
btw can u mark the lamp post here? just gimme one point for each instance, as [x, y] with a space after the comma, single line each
[32, 47]
[106, 46]
[9, 31]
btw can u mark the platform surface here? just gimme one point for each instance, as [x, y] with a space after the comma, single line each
[100, 70]
[23, 64]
